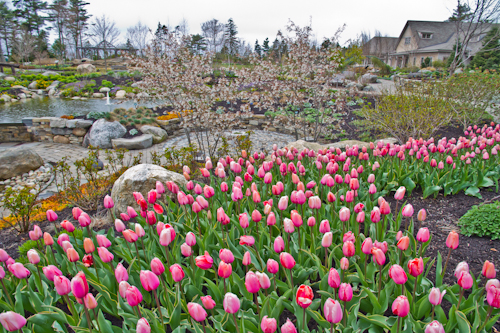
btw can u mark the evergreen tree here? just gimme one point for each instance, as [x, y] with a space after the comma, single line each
[197, 44]
[265, 46]
[489, 55]
[78, 22]
[30, 13]
[460, 13]
[59, 16]
[257, 48]
[7, 26]
[232, 42]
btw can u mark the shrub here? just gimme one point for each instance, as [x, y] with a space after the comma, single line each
[22, 205]
[413, 110]
[106, 83]
[481, 221]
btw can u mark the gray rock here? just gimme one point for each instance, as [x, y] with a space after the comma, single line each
[61, 131]
[79, 132]
[159, 134]
[5, 98]
[136, 84]
[33, 85]
[61, 139]
[102, 132]
[139, 142]
[10, 79]
[80, 123]
[458, 71]
[120, 94]
[414, 75]
[71, 123]
[53, 85]
[142, 95]
[85, 68]
[368, 88]
[48, 73]
[16, 161]
[98, 95]
[21, 95]
[52, 92]
[58, 122]
[141, 178]
[368, 78]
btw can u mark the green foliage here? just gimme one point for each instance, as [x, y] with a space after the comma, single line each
[489, 55]
[384, 69]
[97, 115]
[133, 131]
[438, 64]
[22, 205]
[413, 110]
[482, 221]
[106, 83]
[177, 157]
[427, 62]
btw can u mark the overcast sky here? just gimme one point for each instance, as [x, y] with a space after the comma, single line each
[258, 19]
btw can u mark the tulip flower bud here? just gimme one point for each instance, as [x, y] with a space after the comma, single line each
[345, 292]
[190, 239]
[62, 285]
[398, 274]
[489, 270]
[122, 288]
[452, 240]
[186, 250]
[12, 321]
[51, 272]
[226, 256]
[88, 245]
[416, 267]
[287, 260]
[149, 280]
[231, 303]
[288, 327]
[197, 312]
[333, 278]
[33, 257]
[79, 285]
[434, 327]
[344, 264]
[272, 266]
[378, 256]
[90, 301]
[72, 255]
[367, 245]
[264, 280]
[304, 296]
[47, 239]
[423, 235]
[142, 324]
[225, 270]
[401, 306]
[436, 296]
[105, 255]
[121, 273]
[134, 296]
[332, 311]
[204, 261]
[403, 243]
[465, 280]
[268, 325]
[207, 302]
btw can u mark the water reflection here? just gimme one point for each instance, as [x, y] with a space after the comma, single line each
[56, 107]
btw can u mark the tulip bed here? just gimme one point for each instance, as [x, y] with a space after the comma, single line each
[305, 233]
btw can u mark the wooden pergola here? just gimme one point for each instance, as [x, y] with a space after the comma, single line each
[11, 66]
[108, 47]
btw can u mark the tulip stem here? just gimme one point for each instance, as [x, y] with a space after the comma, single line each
[399, 324]
[331, 327]
[96, 320]
[88, 317]
[40, 281]
[10, 299]
[95, 267]
[159, 308]
[236, 323]
[486, 319]
[303, 319]
[128, 247]
[274, 282]
[203, 324]
[199, 225]
[70, 306]
[312, 241]
[166, 254]
[446, 264]
[260, 259]
[53, 256]
[256, 300]
[139, 311]
[345, 316]
[432, 318]
[415, 291]
[138, 257]
[460, 298]
[326, 257]
[144, 250]
[379, 282]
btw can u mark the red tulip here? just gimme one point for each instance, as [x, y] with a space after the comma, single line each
[304, 296]
[88, 260]
[416, 267]
[207, 302]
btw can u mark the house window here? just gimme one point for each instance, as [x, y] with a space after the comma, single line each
[421, 61]
[407, 40]
[426, 35]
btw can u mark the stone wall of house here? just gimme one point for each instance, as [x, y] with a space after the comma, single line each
[14, 132]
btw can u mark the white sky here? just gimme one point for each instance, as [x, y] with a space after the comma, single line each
[258, 19]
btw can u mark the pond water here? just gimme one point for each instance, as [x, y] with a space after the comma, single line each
[56, 107]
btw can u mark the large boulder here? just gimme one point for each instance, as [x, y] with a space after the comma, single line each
[102, 132]
[16, 161]
[159, 134]
[139, 142]
[85, 69]
[141, 178]
[368, 78]
[49, 73]
[120, 94]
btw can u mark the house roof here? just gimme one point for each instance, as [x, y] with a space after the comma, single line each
[443, 34]
[380, 45]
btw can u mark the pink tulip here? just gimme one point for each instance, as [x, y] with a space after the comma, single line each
[349, 249]
[416, 267]
[324, 226]
[271, 218]
[119, 226]
[149, 280]
[84, 220]
[268, 325]
[461, 267]
[62, 285]
[407, 210]
[283, 203]
[121, 273]
[207, 302]
[288, 225]
[51, 272]
[167, 236]
[226, 255]
[403, 243]
[378, 256]
[190, 239]
[122, 288]
[465, 280]
[79, 285]
[327, 239]
[252, 282]
[51, 215]
[47, 239]
[90, 301]
[131, 212]
[344, 264]
[102, 241]
[434, 327]
[400, 193]
[12, 321]
[367, 245]
[436, 296]
[489, 270]
[422, 215]
[288, 327]
[264, 280]
[333, 278]
[105, 255]
[304, 296]
[279, 244]
[186, 250]
[204, 261]
[231, 303]
[142, 324]
[493, 296]
[332, 311]
[33, 257]
[225, 270]
[197, 312]
[108, 202]
[452, 240]
[287, 260]
[247, 259]
[272, 266]
[423, 235]
[247, 240]
[398, 274]
[401, 306]
[133, 295]
[345, 292]
[18, 270]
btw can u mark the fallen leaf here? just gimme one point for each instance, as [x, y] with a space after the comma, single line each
[494, 250]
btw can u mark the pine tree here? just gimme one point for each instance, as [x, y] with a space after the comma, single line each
[257, 48]
[232, 42]
[489, 55]
[265, 46]
[7, 26]
[59, 15]
[78, 22]
[460, 13]
[197, 44]
[30, 15]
